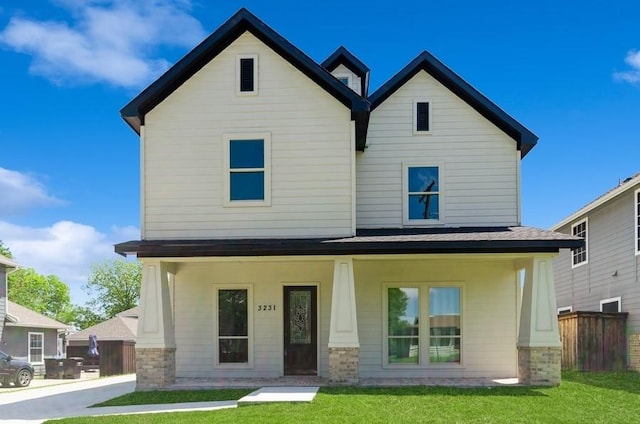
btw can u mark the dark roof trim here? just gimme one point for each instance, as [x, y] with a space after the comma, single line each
[486, 240]
[346, 58]
[134, 112]
[524, 138]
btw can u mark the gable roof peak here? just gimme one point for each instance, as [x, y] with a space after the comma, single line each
[427, 62]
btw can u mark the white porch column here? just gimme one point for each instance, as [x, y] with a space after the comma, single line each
[539, 346]
[155, 342]
[343, 332]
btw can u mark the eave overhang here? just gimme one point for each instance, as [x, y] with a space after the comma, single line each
[366, 242]
[134, 112]
[524, 138]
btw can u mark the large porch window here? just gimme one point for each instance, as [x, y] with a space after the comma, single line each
[423, 325]
[233, 326]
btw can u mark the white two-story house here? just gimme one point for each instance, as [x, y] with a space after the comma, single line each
[294, 225]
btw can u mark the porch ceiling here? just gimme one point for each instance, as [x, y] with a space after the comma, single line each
[380, 241]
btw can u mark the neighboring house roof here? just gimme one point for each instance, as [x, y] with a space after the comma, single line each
[384, 241]
[20, 316]
[123, 326]
[7, 263]
[524, 138]
[134, 112]
[626, 185]
[344, 57]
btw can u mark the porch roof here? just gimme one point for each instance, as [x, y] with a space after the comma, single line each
[516, 239]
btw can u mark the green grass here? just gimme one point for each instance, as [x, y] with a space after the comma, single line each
[154, 397]
[582, 398]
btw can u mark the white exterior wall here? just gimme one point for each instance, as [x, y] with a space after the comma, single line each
[355, 82]
[489, 305]
[489, 312]
[480, 163]
[195, 313]
[311, 153]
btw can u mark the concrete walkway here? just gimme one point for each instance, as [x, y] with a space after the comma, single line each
[52, 399]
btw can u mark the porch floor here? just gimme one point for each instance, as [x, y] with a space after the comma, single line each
[306, 381]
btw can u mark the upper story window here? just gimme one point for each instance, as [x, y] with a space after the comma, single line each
[344, 78]
[422, 187]
[247, 74]
[247, 172]
[579, 255]
[636, 203]
[421, 116]
[613, 304]
[565, 310]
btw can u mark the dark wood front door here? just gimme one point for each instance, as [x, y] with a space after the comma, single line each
[300, 330]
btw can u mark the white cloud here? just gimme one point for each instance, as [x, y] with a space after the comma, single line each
[66, 249]
[21, 192]
[631, 76]
[109, 40]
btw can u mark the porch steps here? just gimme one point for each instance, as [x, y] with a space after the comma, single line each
[280, 394]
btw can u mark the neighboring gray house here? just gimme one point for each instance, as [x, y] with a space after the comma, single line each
[6, 265]
[31, 336]
[604, 274]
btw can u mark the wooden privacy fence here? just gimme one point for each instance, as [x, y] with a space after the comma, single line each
[116, 356]
[593, 341]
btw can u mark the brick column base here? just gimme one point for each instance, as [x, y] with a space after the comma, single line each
[343, 365]
[155, 368]
[633, 341]
[539, 366]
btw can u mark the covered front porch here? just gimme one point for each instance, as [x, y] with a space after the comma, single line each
[499, 327]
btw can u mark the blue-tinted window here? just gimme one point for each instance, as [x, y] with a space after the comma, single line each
[247, 185]
[424, 192]
[246, 154]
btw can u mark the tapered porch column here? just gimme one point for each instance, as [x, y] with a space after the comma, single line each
[155, 342]
[343, 333]
[539, 346]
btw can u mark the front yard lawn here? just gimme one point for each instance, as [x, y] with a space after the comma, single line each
[582, 398]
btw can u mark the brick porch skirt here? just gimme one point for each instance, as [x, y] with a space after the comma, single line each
[343, 365]
[155, 368]
[539, 366]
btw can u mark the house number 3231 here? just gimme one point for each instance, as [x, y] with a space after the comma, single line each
[263, 308]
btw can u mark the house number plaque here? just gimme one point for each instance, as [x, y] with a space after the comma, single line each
[266, 308]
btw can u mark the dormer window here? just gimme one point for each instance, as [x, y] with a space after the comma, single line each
[344, 78]
[247, 75]
[421, 116]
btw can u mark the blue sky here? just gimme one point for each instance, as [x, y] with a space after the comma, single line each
[568, 70]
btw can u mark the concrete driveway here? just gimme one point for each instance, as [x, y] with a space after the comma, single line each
[49, 399]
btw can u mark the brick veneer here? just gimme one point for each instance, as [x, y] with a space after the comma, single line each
[634, 351]
[155, 368]
[540, 365]
[343, 365]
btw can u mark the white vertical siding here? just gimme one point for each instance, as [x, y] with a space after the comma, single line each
[195, 310]
[612, 268]
[480, 161]
[310, 153]
[488, 317]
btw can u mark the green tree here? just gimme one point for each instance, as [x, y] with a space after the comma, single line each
[114, 286]
[4, 251]
[83, 317]
[46, 295]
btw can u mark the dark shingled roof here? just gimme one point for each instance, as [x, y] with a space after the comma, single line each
[383, 241]
[124, 326]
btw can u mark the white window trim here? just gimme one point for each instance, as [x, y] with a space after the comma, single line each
[565, 309]
[423, 339]
[255, 75]
[29, 347]
[346, 75]
[611, 300]
[226, 170]
[216, 351]
[636, 225]
[405, 193]
[415, 116]
[586, 243]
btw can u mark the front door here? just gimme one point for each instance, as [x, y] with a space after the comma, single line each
[300, 330]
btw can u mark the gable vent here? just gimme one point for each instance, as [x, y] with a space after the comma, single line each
[246, 74]
[422, 121]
